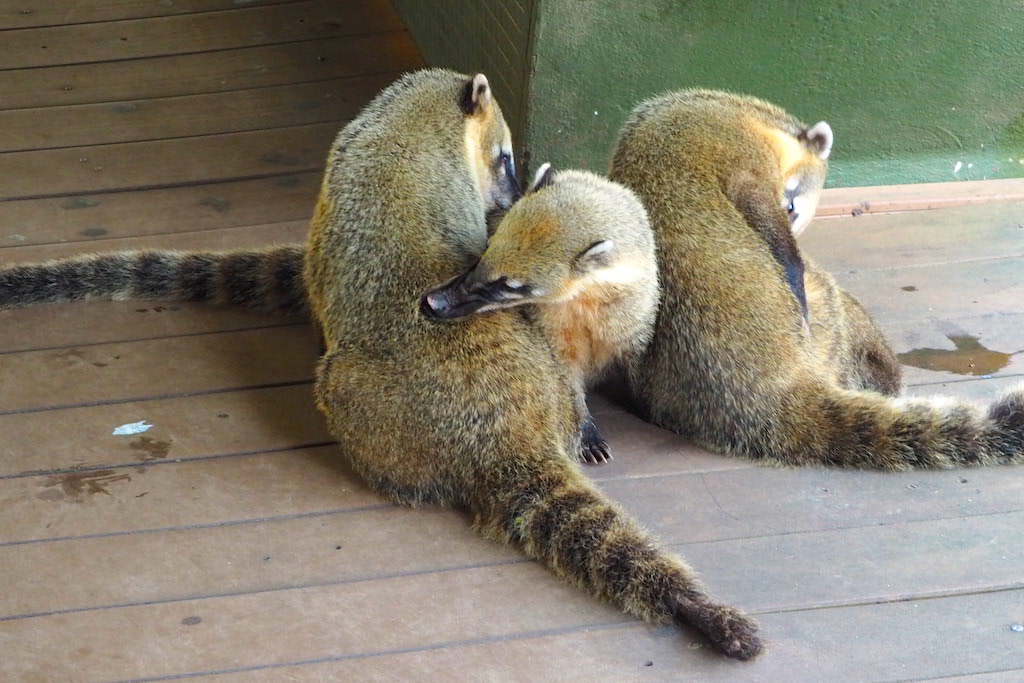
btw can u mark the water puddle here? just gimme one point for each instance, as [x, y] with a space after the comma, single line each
[968, 358]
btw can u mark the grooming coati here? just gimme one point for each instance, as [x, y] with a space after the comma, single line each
[476, 412]
[729, 365]
[579, 250]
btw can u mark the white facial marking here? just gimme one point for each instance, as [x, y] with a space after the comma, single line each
[803, 212]
[515, 284]
[792, 183]
[539, 174]
[623, 273]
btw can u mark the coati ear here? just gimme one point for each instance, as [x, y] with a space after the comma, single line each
[476, 95]
[544, 176]
[597, 255]
[819, 138]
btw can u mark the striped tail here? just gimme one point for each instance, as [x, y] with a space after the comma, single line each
[268, 280]
[559, 518]
[819, 424]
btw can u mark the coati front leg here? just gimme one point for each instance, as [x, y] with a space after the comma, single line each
[594, 449]
[770, 220]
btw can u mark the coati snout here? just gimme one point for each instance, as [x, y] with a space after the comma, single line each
[468, 293]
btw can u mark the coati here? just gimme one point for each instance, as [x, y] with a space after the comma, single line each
[579, 251]
[477, 412]
[729, 365]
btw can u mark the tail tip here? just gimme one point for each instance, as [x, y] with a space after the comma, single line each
[734, 634]
[730, 631]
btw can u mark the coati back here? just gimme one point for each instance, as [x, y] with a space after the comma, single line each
[729, 365]
[767, 164]
[476, 412]
[578, 250]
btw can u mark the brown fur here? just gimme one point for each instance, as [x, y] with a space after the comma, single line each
[729, 364]
[580, 252]
[268, 280]
[475, 412]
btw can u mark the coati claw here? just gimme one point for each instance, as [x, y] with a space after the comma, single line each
[594, 449]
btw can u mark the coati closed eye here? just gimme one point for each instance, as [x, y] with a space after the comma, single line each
[578, 250]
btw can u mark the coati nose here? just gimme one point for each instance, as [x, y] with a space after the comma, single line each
[435, 304]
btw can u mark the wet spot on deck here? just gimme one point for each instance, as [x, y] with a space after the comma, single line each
[968, 358]
[218, 204]
[286, 181]
[909, 288]
[79, 203]
[191, 621]
[279, 159]
[75, 487]
[93, 232]
[152, 449]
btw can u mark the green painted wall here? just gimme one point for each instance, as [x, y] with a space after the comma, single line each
[489, 36]
[911, 87]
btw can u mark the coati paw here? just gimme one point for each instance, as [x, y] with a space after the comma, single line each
[594, 449]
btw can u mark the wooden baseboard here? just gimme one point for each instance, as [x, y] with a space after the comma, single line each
[845, 201]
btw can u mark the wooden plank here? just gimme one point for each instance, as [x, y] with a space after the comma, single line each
[900, 641]
[929, 558]
[688, 507]
[974, 389]
[908, 240]
[188, 428]
[209, 72]
[58, 13]
[240, 27]
[164, 211]
[192, 428]
[1009, 676]
[229, 238]
[488, 605]
[935, 280]
[152, 368]
[845, 201]
[977, 305]
[194, 160]
[157, 496]
[175, 117]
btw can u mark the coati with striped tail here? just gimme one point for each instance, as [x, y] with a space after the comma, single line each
[729, 364]
[579, 251]
[477, 412]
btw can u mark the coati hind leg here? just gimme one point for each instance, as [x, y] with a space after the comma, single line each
[768, 219]
[874, 365]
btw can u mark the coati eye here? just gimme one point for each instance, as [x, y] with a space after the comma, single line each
[505, 161]
[790, 208]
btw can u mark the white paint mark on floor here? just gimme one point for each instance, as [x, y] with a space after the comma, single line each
[132, 428]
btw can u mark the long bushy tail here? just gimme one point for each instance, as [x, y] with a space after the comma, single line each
[268, 280]
[821, 425]
[559, 518]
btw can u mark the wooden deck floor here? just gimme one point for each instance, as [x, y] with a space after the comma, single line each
[231, 543]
